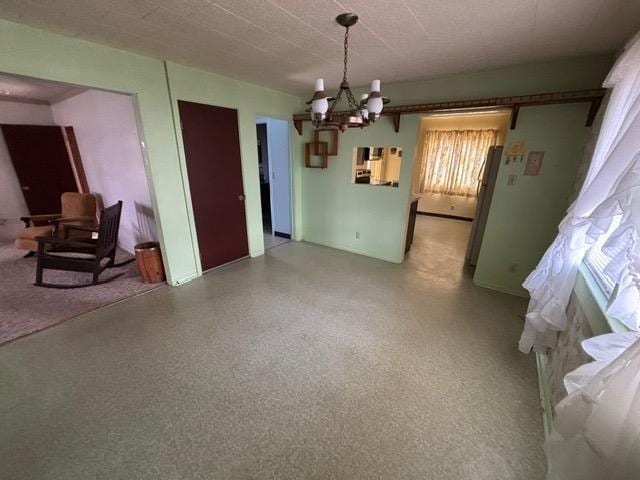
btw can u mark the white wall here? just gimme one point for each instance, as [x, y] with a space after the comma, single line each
[447, 204]
[107, 135]
[12, 204]
[280, 173]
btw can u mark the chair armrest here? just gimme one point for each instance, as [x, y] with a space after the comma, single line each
[65, 220]
[39, 220]
[64, 242]
[81, 228]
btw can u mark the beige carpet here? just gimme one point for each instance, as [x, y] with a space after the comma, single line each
[25, 308]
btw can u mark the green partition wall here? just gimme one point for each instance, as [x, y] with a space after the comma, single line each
[36, 53]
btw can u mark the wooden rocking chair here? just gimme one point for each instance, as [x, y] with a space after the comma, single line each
[82, 254]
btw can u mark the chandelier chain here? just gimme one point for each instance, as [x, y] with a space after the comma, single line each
[346, 50]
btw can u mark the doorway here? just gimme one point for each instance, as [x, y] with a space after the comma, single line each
[455, 172]
[54, 145]
[212, 152]
[274, 170]
[42, 163]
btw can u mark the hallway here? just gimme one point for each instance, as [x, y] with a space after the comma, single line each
[307, 362]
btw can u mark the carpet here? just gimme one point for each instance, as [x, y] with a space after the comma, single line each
[25, 308]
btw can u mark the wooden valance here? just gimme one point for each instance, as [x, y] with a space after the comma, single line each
[593, 96]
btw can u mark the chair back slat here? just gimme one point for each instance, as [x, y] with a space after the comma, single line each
[108, 229]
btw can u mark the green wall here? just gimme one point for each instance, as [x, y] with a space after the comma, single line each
[560, 75]
[524, 217]
[327, 207]
[334, 208]
[250, 100]
[36, 53]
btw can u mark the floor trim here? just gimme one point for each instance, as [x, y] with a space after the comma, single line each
[444, 215]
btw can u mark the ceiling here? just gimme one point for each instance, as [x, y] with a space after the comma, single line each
[28, 90]
[286, 44]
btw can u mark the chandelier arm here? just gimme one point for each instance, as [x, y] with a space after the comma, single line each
[353, 104]
[335, 102]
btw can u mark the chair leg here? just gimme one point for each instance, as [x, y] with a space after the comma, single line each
[39, 273]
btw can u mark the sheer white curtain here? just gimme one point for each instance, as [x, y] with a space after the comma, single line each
[597, 426]
[611, 187]
[452, 160]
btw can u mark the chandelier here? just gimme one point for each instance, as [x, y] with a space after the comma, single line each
[359, 113]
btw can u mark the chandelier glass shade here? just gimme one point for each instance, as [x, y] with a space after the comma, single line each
[358, 113]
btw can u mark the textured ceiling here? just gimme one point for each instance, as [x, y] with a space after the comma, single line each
[285, 44]
[28, 90]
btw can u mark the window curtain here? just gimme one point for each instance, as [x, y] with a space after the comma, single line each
[597, 426]
[452, 160]
[611, 188]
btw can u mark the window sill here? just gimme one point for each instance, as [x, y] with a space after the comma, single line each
[600, 299]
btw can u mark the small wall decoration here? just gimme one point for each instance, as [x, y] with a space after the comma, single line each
[332, 133]
[310, 149]
[534, 163]
[514, 152]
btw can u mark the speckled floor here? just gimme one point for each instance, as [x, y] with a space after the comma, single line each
[305, 363]
[270, 240]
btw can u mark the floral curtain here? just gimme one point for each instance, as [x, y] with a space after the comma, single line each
[611, 188]
[453, 160]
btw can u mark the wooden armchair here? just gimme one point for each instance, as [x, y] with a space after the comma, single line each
[82, 254]
[77, 209]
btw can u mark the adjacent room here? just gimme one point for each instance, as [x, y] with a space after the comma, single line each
[66, 153]
[274, 170]
[454, 177]
[306, 240]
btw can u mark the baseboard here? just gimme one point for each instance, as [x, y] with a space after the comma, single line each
[336, 246]
[183, 280]
[444, 215]
[283, 235]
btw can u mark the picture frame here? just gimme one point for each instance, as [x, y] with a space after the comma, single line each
[310, 149]
[332, 143]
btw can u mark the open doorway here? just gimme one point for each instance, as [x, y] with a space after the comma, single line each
[458, 156]
[274, 171]
[66, 153]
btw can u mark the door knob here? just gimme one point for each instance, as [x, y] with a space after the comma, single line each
[241, 197]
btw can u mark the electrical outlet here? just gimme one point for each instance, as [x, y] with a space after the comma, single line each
[452, 207]
[357, 235]
[513, 268]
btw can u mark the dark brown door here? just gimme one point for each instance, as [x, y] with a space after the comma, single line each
[212, 151]
[39, 156]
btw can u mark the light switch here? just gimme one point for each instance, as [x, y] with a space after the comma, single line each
[512, 179]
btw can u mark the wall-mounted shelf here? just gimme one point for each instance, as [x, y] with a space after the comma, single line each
[593, 96]
[316, 149]
[332, 148]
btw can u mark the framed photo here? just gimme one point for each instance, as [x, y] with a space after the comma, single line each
[534, 163]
